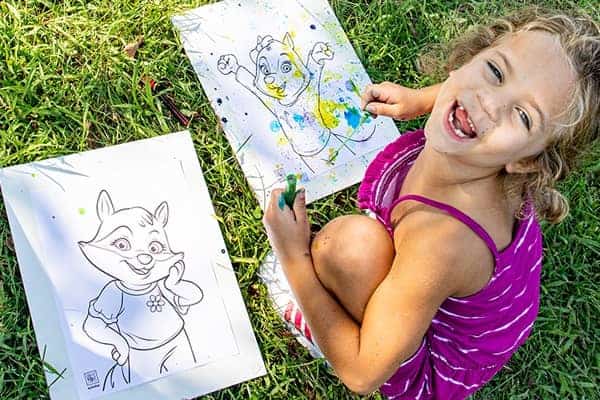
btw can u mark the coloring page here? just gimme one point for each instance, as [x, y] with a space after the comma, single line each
[286, 84]
[131, 259]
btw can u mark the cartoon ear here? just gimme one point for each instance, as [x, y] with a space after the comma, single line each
[287, 39]
[104, 206]
[162, 213]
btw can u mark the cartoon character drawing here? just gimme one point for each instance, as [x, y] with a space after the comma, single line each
[290, 89]
[138, 313]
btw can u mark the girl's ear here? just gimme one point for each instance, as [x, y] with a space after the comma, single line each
[162, 213]
[104, 206]
[524, 166]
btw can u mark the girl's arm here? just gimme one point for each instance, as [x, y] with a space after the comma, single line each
[399, 102]
[399, 311]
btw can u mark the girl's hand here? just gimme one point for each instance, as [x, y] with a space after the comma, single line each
[288, 229]
[399, 102]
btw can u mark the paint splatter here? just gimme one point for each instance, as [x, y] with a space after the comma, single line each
[328, 113]
[333, 154]
[275, 126]
[299, 119]
[281, 202]
[351, 87]
[224, 120]
[219, 101]
[313, 26]
[282, 140]
[81, 211]
[353, 117]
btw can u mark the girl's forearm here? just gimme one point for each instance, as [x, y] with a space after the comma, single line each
[428, 95]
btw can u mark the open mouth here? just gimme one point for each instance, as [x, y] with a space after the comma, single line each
[458, 122]
[140, 271]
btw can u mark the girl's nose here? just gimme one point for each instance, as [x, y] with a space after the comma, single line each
[144, 258]
[269, 79]
[492, 106]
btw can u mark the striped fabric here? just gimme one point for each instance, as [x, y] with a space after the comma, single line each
[470, 338]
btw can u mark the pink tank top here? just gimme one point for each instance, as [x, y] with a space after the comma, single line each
[470, 338]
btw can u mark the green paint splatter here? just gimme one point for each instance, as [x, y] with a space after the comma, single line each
[33, 175]
[81, 211]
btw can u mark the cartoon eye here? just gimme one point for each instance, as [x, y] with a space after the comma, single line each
[263, 66]
[122, 244]
[156, 247]
[286, 67]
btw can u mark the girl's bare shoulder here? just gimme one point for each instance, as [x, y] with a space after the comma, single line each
[443, 245]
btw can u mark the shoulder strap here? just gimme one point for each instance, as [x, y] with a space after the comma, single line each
[456, 213]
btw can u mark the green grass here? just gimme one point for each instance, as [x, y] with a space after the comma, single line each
[65, 87]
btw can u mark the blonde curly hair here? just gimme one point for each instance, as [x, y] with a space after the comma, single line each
[579, 36]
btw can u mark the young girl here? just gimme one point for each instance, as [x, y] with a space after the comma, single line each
[430, 299]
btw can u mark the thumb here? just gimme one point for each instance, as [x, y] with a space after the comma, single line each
[300, 204]
[388, 110]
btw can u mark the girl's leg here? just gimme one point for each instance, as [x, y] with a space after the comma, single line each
[352, 255]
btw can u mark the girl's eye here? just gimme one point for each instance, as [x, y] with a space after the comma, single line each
[122, 244]
[286, 67]
[524, 118]
[156, 247]
[496, 71]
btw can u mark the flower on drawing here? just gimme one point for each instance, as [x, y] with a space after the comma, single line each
[156, 303]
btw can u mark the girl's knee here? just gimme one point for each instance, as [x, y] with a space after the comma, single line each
[352, 245]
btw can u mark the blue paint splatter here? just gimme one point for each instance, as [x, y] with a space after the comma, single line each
[281, 202]
[313, 26]
[304, 177]
[350, 86]
[275, 126]
[352, 116]
[299, 119]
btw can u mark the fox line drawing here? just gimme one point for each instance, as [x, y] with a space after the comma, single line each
[138, 313]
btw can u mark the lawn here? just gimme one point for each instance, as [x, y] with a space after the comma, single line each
[66, 87]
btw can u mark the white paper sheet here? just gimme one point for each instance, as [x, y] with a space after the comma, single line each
[285, 82]
[142, 293]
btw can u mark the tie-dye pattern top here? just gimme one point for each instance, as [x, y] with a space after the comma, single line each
[470, 338]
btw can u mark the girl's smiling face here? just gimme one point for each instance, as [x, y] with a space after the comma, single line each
[502, 106]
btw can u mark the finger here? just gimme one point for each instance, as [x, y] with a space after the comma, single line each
[275, 198]
[300, 205]
[388, 110]
[371, 93]
[122, 359]
[179, 269]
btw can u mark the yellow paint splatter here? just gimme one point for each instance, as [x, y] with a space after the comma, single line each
[328, 112]
[333, 28]
[81, 211]
[329, 76]
[282, 140]
[275, 91]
